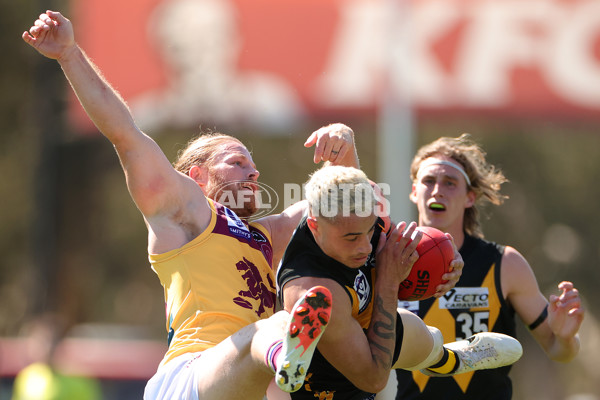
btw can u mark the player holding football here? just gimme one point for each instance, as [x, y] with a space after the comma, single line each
[337, 245]
[451, 177]
[217, 270]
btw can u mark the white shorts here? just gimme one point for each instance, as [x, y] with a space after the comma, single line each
[176, 380]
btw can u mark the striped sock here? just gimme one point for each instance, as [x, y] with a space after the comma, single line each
[272, 354]
[447, 365]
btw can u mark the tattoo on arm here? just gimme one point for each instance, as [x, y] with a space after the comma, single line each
[383, 329]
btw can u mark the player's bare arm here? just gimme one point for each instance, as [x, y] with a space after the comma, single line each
[343, 332]
[565, 316]
[396, 255]
[281, 227]
[522, 291]
[160, 192]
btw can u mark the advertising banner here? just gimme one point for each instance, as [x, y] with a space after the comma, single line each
[180, 63]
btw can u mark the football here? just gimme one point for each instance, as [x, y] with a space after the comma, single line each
[435, 255]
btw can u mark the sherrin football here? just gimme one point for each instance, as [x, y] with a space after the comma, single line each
[435, 255]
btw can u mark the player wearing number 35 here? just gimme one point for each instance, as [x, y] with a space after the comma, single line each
[451, 177]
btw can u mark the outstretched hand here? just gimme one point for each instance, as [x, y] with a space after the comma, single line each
[51, 35]
[334, 143]
[565, 312]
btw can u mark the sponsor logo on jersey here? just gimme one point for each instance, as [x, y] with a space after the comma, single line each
[236, 226]
[258, 237]
[465, 298]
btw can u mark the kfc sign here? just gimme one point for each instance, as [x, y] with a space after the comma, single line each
[181, 63]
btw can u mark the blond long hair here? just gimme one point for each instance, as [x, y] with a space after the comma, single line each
[202, 150]
[485, 178]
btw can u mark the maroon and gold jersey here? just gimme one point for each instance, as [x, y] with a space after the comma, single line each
[216, 284]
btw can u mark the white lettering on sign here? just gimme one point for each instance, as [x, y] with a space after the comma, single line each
[463, 53]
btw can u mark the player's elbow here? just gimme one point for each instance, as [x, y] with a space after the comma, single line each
[379, 385]
[372, 384]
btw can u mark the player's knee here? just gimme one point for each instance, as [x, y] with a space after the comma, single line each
[417, 344]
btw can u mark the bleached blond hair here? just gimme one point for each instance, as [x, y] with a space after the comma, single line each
[336, 191]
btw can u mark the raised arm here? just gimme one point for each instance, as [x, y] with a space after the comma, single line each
[52, 36]
[333, 144]
[157, 189]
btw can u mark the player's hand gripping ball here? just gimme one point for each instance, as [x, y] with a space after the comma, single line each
[435, 255]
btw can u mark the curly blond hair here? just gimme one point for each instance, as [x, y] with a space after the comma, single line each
[485, 178]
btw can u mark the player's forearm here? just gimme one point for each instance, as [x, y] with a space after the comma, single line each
[381, 333]
[102, 103]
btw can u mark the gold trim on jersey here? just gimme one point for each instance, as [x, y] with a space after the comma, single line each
[442, 319]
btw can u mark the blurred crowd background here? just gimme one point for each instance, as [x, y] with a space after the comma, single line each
[522, 77]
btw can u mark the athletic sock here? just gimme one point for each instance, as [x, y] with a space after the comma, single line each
[448, 364]
[273, 354]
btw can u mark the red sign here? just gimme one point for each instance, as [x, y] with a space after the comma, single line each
[183, 63]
